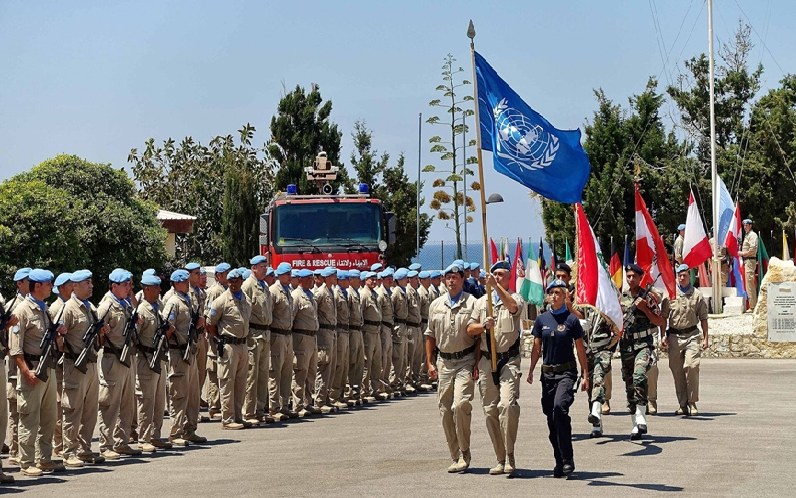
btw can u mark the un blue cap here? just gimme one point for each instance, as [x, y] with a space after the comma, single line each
[179, 276]
[482, 273]
[475, 266]
[435, 274]
[747, 221]
[466, 265]
[353, 274]
[257, 260]
[234, 273]
[389, 272]
[424, 274]
[304, 273]
[119, 275]
[192, 266]
[328, 272]
[62, 279]
[342, 275]
[376, 267]
[459, 262]
[283, 268]
[81, 275]
[150, 280]
[400, 273]
[202, 271]
[247, 273]
[415, 266]
[150, 271]
[39, 275]
[556, 283]
[22, 274]
[682, 267]
[411, 273]
[453, 268]
[681, 227]
[501, 265]
[222, 267]
[269, 271]
[293, 273]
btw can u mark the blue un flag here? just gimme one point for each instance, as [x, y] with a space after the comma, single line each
[524, 145]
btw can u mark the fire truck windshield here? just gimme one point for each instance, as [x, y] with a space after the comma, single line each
[355, 223]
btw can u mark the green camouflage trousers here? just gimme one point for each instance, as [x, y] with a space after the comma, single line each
[635, 365]
[599, 364]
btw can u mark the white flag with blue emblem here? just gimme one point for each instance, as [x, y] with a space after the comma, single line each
[524, 145]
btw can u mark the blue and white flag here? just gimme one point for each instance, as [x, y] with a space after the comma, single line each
[726, 212]
[524, 145]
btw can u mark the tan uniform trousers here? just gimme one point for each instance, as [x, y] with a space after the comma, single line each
[341, 365]
[12, 433]
[255, 404]
[501, 409]
[399, 351]
[212, 394]
[58, 442]
[751, 287]
[183, 395]
[116, 402]
[232, 370]
[684, 353]
[201, 361]
[455, 394]
[327, 361]
[371, 366]
[280, 373]
[386, 358]
[304, 354]
[3, 406]
[414, 354]
[79, 401]
[356, 363]
[150, 392]
[652, 373]
[37, 413]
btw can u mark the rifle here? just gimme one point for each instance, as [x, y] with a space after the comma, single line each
[629, 318]
[161, 343]
[49, 351]
[190, 346]
[90, 342]
[221, 341]
[4, 317]
[130, 337]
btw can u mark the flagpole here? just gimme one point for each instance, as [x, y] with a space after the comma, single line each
[419, 149]
[464, 172]
[716, 283]
[492, 343]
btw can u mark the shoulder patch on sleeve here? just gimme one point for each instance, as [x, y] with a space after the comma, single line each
[213, 312]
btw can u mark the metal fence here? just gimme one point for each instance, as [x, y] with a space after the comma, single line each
[439, 254]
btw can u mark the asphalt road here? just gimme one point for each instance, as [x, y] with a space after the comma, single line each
[743, 443]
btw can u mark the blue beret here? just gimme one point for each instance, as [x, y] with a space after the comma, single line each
[411, 273]
[401, 273]
[202, 271]
[269, 271]
[634, 268]
[681, 227]
[293, 273]
[150, 271]
[304, 273]
[150, 280]
[283, 268]
[415, 266]
[353, 274]
[247, 273]
[234, 273]
[81, 275]
[179, 276]
[459, 262]
[192, 266]
[389, 272]
[242, 270]
[392, 267]
[39, 275]
[747, 221]
[257, 260]
[482, 274]
[222, 267]
[475, 266]
[424, 274]
[466, 266]
[435, 274]
[62, 279]
[328, 272]
[376, 267]
[119, 275]
[342, 275]
[364, 274]
[500, 265]
[682, 267]
[21, 274]
[318, 272]
[556, 283]
[453, 268]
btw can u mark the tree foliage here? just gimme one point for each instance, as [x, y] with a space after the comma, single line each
[191, 178]
[68, 213]
[398, 194]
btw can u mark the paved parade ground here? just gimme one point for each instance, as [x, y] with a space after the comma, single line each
[743, 443]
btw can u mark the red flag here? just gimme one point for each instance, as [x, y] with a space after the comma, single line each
[516, 267]
[650, 249]
[494, 250]
[696, 246]
[704, 279]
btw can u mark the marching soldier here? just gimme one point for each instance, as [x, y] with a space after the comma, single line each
[384, 292]
[371, 339]
[636, 346]
[305, 349]
[447, 329]
[281, 364]
[414, 336]
[183, 314]
[399, 339]
[80, 396]
[22, 283]
[501, 408]
[63, 287]
[213, 395]
[749, 254]
[150, 384]
[339, 375]
[259, 296]
[600, 339]
[327, 338]
[427, 296]
[685, 341]
[356, 347]
[229, 325]
[36, 397]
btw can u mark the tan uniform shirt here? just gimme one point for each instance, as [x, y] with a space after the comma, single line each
[179, 315]
[151, 321]
[326, 305]
[231, 314]
[117, 317]
[448, 325]
[385, 304]
[400, 307]
[371, 309]
[305, 310]
[77, 319]
[211, 295]
[678, 248]
[687, 309]
[282, 307]
[750, 242]
[25, 337]
[54, 310]
[341, 300]
[425, 301]
[354, 308]
[507, 324]
[260, 300]
[413, 306]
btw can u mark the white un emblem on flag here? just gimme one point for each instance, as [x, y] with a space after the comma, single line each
[522, 142]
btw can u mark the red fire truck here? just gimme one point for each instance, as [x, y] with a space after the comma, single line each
[315, 231]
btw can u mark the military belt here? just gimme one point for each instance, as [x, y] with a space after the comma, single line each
[424, 322]
[641, 334]
[73, 357]
[355, 327]
[387, 324]
[687, 330]
[412, 324]
[457, 355]
[753, 258]
[310, 333]
[513, 351]
[280, 331]
[145, 349]
[228, 339]
[372, 322]
[257, 326]
[326, 326]
[561, 367]
[31, 357]
[343, 326]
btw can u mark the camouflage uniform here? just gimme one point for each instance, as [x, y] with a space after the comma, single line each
[597, 338]
[636, 349]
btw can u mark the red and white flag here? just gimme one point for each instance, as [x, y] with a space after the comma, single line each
[733, 233]
[517, 268]
[696, 246]
[594, 286]
[650, 250]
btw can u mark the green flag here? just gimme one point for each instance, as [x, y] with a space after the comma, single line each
[532, 289]
[568, 255]
[762, 262]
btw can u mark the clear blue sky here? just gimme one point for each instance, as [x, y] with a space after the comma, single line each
[99, 78]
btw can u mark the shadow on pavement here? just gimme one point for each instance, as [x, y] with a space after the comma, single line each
[650, 487]
[701, 416]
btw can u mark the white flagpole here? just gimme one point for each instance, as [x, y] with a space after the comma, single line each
[716, 283]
